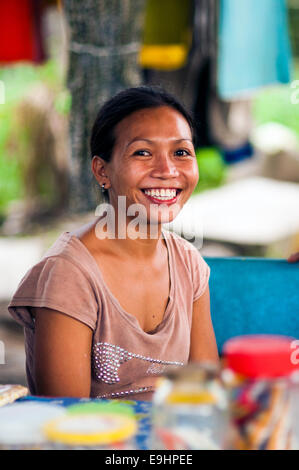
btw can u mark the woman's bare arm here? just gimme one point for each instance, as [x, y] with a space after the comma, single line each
[62, 354]
[203, 343]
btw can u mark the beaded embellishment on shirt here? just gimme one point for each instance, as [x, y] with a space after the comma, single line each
[125, 393]
[109, 357]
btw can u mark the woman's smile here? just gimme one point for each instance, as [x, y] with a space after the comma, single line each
[162, 195]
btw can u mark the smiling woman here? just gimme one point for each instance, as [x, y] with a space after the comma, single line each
[153, 160]
[104, 314]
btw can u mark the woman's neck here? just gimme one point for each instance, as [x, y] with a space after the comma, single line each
[128, 239]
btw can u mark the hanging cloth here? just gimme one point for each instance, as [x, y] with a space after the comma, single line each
[254, 47]
[21, 37]
[167, 34]
[190, 79]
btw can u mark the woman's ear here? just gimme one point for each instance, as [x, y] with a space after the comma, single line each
[98, 166]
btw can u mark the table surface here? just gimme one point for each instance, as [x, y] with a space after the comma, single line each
[142, 411]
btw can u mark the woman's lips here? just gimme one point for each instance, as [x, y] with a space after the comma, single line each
[165, 201]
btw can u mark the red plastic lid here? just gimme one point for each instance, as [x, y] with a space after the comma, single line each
[262, 355]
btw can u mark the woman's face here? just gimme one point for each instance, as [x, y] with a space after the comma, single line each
[153, 163]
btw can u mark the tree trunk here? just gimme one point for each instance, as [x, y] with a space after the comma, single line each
[104, 38]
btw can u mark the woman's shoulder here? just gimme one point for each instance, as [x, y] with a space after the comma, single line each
[69, 247]
[189, 259]
[185, 247]
[59, 281]
[187, 254]
[61, 246]
[65, 261]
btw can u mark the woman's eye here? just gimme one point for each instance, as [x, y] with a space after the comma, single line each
[182, 152]
[142, 153]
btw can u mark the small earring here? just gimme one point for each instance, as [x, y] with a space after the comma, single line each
[103, 188]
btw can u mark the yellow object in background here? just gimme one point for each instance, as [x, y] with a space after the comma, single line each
[161, 57]
[167, 34]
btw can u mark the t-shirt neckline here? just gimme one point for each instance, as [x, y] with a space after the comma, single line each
[128, 316]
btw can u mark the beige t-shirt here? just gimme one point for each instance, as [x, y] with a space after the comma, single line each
[125, 359]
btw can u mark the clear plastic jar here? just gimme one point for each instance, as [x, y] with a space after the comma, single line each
[190, 410]
[21, 425]
[93, 426]
[259, 370]
[294, 408]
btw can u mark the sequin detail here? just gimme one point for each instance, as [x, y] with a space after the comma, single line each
[109, 357]
[126, 392]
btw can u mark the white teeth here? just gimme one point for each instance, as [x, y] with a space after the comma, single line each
[163, 194]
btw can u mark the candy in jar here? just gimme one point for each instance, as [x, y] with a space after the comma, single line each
[190, 410]
[258, 369]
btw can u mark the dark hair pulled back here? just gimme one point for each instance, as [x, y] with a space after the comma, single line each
[122, 105]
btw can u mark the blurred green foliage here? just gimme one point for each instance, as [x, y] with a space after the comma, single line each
[10, 171]
[211, 167]
[273, 104]
[18, 79]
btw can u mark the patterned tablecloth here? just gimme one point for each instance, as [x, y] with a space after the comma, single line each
[142, 411]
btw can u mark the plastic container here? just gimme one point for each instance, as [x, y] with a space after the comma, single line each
[259, 371]
[294, 409]
[96, 426]
[21, 425]
[10, 393]
[190, 410]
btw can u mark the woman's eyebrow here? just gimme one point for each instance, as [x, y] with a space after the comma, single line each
[152, 141]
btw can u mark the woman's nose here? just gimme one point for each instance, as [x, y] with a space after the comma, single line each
[164, 167]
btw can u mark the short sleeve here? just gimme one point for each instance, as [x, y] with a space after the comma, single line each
[200, 271]
[59, 284]
[200, 274]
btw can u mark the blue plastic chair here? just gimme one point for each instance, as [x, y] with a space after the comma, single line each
[253, 296]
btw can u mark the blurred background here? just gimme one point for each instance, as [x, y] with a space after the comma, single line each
[233, 63]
